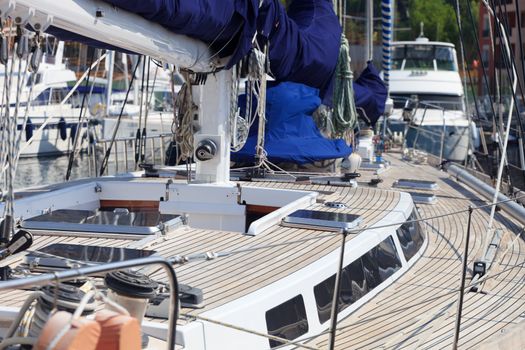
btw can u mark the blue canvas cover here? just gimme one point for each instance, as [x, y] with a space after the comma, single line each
[304, 43]
[291, 133]
[370, 93]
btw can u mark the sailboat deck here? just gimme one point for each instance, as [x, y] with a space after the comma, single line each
[274, 254]
[418, 310]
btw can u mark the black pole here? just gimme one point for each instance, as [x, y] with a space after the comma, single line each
[337, 291]
[463, 277]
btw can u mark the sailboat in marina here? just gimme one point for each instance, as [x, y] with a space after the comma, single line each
[48, 106]
[197, 257]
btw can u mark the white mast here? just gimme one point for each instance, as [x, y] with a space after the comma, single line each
[110, 66]
[213, 138]
[369, 30]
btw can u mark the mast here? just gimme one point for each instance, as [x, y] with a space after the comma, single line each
[388, 25]
[212, 141]
[369, 30]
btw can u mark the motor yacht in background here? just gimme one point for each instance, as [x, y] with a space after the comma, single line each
[429, 100]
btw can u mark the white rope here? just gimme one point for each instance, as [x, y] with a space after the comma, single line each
[185, 109]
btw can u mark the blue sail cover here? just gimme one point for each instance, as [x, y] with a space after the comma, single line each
[370, 93]
[304, 43]
[291, 133]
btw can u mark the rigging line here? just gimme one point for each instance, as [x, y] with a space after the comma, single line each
[510, 62]
[32, 78]
[138, 138]
[80, 119]
[9, 178]
[3, 109]
[249, 331]
[509, 120]
[513, 64]
[52, 116]
[495, 82]
[520, 40]
[146, 113]
[478, 47]
[115, 129]
[466, 89]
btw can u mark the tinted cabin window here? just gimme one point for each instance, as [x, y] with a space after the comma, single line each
[387, 258]
[353, 287]
[371, 269]
[358, 278]
[287, 320]
[324, 292]
[411, 237]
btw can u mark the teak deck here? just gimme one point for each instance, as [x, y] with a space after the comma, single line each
[417, 311]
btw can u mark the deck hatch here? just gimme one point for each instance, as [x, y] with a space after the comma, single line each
[322, 220]
[66, 256]
[416, 184]
[423, 198]
[117, 221]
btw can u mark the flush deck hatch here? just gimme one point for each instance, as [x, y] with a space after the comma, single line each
[117, 221]
[322, 220]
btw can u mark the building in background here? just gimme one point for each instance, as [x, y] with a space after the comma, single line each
[512, 16]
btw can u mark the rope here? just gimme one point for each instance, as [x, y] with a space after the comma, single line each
[345, 114]
[185, 109]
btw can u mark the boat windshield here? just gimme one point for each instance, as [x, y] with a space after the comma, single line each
[431, 101]
[424, 57]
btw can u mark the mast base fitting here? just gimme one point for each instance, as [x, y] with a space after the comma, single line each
[206, 150]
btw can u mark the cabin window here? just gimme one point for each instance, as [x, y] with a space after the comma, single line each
[353, 287]
[287, 320]
[358, 278]
[388, 259]
[42, 98]
[410, 236]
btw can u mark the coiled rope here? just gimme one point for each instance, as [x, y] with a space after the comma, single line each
[345, 113]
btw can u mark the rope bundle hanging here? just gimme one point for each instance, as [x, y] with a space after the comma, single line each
[183, 127]
[345, 114]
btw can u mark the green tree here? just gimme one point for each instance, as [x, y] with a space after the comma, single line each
[438, 17]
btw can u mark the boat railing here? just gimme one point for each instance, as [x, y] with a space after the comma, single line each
[125, 153]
